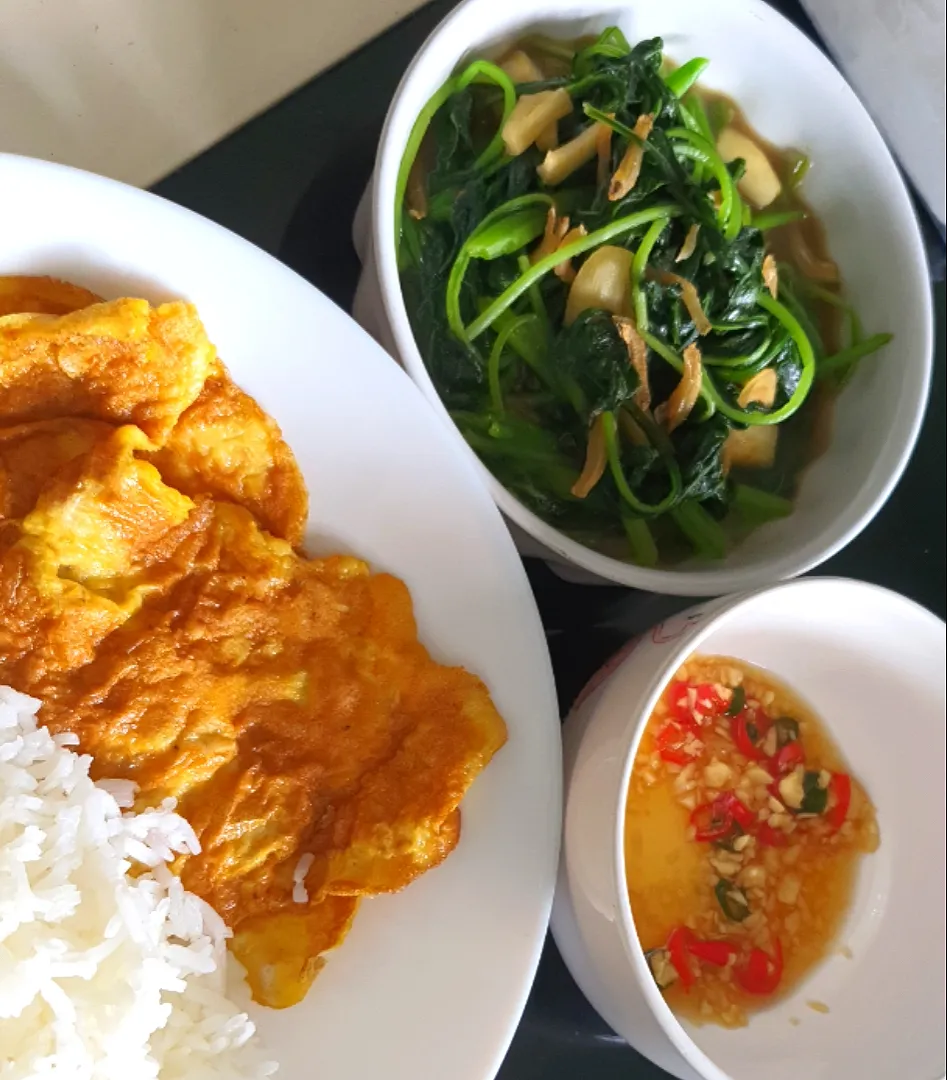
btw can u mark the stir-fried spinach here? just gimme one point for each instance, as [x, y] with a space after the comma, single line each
[591, 361]
[599, 310]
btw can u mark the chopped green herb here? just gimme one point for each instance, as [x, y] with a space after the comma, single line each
[732, 900]
[737, 701]
[814, 797]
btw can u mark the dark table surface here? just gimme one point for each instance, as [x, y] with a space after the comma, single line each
[289, 181]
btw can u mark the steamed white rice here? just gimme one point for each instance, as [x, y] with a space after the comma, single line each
[103, 976]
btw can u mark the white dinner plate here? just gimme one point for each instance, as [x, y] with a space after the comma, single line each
[430, 983]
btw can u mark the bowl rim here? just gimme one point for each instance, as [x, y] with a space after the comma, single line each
[703, 581]
[729, 610]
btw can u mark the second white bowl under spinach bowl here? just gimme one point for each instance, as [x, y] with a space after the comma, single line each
[871, 666]
[794, 97]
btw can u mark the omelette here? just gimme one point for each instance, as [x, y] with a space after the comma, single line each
[154, 596]
[21, 294]
[225, 445]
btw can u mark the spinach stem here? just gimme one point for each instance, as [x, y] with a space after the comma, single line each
[743, 375]
[682, 78]
[839, 362]
[459, 269]
[758, 506]
[478, 71]
[560, 50]
[578, 247]
[413, 145]
[536, 301]
[799, 395]
[692, 145]
[644, 551]
[694, 117]
[740, 361]
[638, 265]
[704, 532]
[609, 121]
[483, 71]
[493, 361]
[667, 354]
[775, 218]
[695, 112]
[817, 292]
[788, 283]
[612, 448]
[712, 395]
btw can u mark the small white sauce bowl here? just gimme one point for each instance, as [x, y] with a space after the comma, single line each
[794, 97]
[871, 664]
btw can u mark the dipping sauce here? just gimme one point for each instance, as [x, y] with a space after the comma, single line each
[744, 829]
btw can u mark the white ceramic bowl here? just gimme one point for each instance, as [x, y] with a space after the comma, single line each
[795, 97]
[872, 666]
